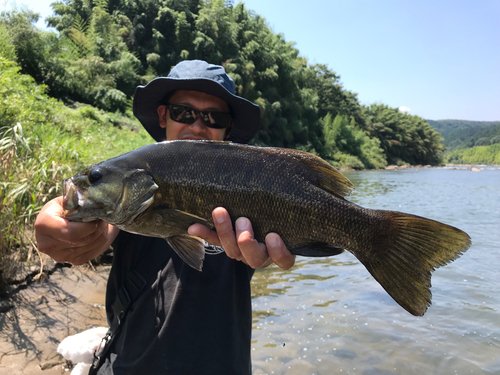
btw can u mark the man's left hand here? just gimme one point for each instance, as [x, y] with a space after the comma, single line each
[240, 243]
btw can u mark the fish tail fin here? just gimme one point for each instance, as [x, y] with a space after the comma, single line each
[405, 253]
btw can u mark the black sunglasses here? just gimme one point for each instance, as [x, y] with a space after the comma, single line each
[188, 115]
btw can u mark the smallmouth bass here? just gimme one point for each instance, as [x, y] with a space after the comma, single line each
[161, 189]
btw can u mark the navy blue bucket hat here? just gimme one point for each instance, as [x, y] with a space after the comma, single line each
[199, 76]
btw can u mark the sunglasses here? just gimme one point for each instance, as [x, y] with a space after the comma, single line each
[188, 115]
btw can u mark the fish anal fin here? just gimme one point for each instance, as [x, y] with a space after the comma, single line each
[189, 248]
[318, 250]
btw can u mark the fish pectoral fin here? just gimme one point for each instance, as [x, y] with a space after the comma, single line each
[189, 248]
[318, 250]
[185, 219]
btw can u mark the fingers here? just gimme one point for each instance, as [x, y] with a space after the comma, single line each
[278, 252]
[222, 236]
[67, 241]
[224, 228]
[81, 234]
[50, 222]
[239, 243]
[252, 252]
[199, 230]
[82, 254]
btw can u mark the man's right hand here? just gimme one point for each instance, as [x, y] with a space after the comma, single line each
[71, 241]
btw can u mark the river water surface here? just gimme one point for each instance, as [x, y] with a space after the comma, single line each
[329, 316]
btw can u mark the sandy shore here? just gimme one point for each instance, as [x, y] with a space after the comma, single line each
[34, 320]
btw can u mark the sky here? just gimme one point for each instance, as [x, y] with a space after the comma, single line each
[438, 59]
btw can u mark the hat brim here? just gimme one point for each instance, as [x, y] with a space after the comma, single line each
[148, 98]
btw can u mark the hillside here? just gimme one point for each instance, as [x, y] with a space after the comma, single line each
[460, 134]
[489, 155]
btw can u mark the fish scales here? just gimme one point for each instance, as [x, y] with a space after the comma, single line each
[248, 185]
[161, 189]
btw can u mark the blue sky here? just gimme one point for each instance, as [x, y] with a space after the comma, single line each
[439, 59]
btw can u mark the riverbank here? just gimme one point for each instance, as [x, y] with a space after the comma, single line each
[36, 317]
[392, 167]
[465, 167]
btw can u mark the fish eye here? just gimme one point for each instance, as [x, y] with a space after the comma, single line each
[94, 176]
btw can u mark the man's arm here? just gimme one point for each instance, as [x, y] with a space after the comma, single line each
[240, 243]
[69, 241]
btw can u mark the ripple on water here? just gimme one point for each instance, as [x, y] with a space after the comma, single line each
[328, 314]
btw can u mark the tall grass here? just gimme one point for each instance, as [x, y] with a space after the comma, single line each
[30, 175]
[42, 142]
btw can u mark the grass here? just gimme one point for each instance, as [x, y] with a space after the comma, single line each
[42, 141]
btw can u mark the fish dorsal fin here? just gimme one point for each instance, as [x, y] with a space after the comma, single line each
[323, 174]
[189, 248]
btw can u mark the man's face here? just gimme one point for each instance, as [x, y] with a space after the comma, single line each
[197, 131]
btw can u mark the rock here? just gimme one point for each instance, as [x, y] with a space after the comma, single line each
[476, 169]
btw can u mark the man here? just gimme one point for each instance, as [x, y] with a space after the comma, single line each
[183, 321]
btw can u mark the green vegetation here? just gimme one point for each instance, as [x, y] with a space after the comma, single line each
[404, 138]
[42, 141]
[469, 142]
[459, 134]
[475, 155]
[65, 98]
[104, 49]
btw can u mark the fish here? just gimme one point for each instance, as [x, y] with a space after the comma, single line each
[161, 189]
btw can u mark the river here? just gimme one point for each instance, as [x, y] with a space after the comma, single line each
[329, 316]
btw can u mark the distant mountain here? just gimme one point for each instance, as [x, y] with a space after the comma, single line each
[459, 134]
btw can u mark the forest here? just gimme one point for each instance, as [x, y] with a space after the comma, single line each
[104, 49]
[459, 134]
[469, 142]
[66, 96]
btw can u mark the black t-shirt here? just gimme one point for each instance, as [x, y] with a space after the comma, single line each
[185, 321]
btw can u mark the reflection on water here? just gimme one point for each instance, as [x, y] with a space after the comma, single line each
[329, 316]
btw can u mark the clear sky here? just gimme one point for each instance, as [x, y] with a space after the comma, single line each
[438, 59]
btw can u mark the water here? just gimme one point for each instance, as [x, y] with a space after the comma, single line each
[329, 316]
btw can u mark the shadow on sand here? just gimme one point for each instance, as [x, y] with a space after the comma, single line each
[71, 300]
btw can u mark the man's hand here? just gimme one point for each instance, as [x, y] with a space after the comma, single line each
[240, 244]
[69, 241]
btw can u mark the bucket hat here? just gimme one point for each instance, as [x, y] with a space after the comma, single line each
[199, 76]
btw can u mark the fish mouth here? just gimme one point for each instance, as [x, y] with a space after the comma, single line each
[73, 197]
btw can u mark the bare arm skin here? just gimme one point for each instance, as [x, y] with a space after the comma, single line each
[240, 243]
[69, 241]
